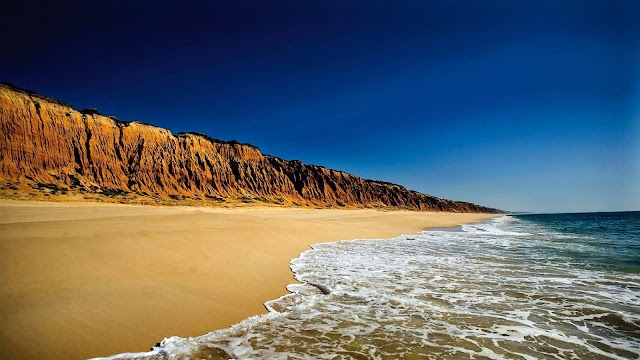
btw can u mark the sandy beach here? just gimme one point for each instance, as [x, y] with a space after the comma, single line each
[87, 279]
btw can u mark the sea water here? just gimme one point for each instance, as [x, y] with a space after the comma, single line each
[560, 286]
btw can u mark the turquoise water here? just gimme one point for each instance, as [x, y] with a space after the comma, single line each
[605, 241]
[562, 286]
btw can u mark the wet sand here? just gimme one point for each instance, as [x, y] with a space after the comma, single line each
[81, 280]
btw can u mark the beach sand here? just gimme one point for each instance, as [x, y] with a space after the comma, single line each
[81, 280]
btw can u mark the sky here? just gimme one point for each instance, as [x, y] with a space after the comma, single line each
[520, 105]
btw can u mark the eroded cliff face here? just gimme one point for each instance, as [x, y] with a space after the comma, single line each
[47, 144]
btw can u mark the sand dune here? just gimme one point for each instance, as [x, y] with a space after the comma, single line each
[83, 280]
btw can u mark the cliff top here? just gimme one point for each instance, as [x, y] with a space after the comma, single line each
[214, 140]
[32, 93]
[121, 123]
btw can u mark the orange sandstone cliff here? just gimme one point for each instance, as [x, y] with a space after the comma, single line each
[48, 148]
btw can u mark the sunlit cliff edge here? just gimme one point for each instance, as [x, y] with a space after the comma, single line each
[48, 150]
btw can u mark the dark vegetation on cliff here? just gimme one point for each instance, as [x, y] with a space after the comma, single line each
[47, 146]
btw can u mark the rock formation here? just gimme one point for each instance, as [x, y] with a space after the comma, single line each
[48, 145]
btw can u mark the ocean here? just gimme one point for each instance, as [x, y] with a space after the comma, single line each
[553, 286]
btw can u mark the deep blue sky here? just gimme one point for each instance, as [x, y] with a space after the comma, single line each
[530, 106]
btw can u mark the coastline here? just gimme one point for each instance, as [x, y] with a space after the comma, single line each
[93, 279]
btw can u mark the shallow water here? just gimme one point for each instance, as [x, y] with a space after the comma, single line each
[517, 287]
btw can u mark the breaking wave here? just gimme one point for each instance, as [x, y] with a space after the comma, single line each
[510, 288]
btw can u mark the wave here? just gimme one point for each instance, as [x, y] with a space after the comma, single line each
[500, 289]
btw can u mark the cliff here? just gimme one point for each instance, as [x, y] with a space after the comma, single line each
[47, 147]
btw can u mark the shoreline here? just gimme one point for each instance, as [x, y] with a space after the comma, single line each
[262, 317]
[93, 279]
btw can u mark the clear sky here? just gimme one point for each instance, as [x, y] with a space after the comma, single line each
[520, 105]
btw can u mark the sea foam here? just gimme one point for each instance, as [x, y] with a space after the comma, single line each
[504, 289]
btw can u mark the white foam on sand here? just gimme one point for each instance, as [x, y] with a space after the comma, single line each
[492, 290]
